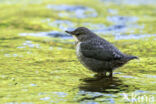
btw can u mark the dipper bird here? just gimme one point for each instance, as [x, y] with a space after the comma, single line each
[96, 53]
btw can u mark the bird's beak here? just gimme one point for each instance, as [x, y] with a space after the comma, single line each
[71, 32]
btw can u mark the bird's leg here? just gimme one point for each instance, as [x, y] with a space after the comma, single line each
[111, 74]
[104, 74]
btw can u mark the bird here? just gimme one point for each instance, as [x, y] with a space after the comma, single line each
[96, 53]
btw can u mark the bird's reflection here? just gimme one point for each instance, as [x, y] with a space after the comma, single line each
[106, 85]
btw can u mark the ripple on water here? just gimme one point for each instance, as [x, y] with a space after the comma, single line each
[131, 2]
[133, 36]
[121, 24]
[72, 11]
[112, 11]
[12, 55]
[45, 98]
[122, 19]
[54, 97]
[118, 31]
[33, 84]
[60, 94]
[11, 2]
[48, 34]
[30, 44]
[127, 76]
[19, 103]
[150, 76]
[89, 97]
[7, 55]
[104, 90]
[62, 24]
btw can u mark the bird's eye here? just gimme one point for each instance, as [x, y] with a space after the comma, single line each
[77, 34]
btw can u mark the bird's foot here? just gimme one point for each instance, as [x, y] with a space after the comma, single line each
[97, 77]
[100, 76]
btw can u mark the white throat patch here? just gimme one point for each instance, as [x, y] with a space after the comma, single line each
[75, 38]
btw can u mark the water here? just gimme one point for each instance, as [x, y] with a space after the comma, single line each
[62, 24]
[134, 36]
[46, 70]
[48, 34]
[122, 24]
[120, 20]
[131, 2]
[11, 2]
[118, 31]
[74, 11]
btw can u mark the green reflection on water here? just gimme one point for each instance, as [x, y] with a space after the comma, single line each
[46, 70]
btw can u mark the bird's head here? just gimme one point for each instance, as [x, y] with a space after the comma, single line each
[81, 33]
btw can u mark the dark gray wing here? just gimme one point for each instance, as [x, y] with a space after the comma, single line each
[100, 50]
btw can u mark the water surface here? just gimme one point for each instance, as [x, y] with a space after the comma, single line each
[38, 64]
